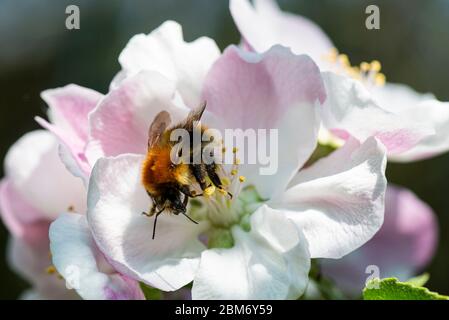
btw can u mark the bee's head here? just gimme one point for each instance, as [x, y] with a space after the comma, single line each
[175, 204]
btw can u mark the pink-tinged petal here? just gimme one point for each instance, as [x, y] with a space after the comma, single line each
[338, 202]
[71, 150]
[250, 90]
[116, 201]
[351, 110]
[69, 110]
[402, 248]
[269, 262]
[22, 220]
[275, 90]
[83, 266]
[417, 107]
[120, 122]
[165, 51]
[70, 107]
[265, 25]
[37, 174]
[31, 261]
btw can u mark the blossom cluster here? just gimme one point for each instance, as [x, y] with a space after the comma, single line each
[72, 196]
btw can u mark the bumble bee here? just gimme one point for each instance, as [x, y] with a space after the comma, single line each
[170, 185]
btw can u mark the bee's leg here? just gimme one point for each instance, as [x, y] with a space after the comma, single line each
[155, 221]
[199, 173]
[188, 193]
[151, 213]
[211, 170]
[185, 201]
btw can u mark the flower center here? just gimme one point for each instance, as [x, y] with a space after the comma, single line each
[367, 72]
[227, 207]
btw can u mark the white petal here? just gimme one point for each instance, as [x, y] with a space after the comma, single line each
[165, 51]
[351, 110]
[266, 25]
[269, 262]
[39, 176]
[31, 262]
[402, 248]
[121, 120]
[116, 201]
[282, 100]
[419, 108]
[83, 266]
[339, 201]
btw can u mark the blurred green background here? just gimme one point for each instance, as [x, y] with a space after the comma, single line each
[37, 52]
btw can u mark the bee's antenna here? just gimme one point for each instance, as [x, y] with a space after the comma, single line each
[155, 222]
[189, 218]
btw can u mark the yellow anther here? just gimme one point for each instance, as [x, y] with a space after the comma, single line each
[237, 161]
[344, 60]
[380, 79]
[242, 179]
[334, 52]
[223, 149]
[235, 150]
[364, 66]
[233, 172]
[332, 56]
[222, 191]
[354, 72]
[51, 270]
[71, 209]
[209, 191]
[376, 66]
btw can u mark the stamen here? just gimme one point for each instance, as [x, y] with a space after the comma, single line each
[242, 179]
[234, 172]
[380, 79]
[364, 66]
[367, 72]
[209, 191]
[344, 60]
[376, 66]
[50, 270]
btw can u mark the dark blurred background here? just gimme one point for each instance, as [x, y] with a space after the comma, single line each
[37, 52]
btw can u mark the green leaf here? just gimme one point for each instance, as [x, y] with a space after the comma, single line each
[393, 289]
[151, 293]
[420, 280]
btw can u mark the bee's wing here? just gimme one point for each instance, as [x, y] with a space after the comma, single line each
[196, 114]
[157, 128]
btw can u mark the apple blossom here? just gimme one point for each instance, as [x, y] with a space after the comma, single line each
[403, 246]
[412, 126]
[272, 226]
[37, 189]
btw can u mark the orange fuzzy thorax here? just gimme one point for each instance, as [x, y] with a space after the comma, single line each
[158, 169]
